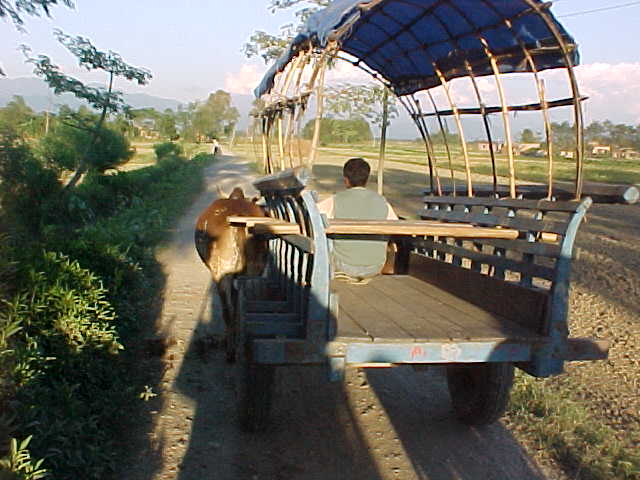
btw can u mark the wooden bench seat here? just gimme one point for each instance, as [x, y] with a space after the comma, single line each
[402, 308]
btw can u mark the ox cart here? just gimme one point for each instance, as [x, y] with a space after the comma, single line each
[479, 284]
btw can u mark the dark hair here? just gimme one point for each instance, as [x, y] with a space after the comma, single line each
[356, 170]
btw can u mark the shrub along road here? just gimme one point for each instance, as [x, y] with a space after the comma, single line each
[387, 424]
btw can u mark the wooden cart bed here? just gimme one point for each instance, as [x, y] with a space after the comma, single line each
[402, 308]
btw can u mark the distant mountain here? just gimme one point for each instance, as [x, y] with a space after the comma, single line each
[40, 97]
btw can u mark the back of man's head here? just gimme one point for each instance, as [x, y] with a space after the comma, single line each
[356, 170]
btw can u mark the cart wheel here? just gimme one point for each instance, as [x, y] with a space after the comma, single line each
[255, 392]
[479, 392]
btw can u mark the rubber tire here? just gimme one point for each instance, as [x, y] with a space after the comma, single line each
[479, 392]
[255, 394]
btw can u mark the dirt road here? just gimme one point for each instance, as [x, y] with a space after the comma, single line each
[383, 424]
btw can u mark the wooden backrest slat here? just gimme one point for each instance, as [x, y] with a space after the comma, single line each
[490, 220]
[543, 205]
[550, 250]
[522, 267]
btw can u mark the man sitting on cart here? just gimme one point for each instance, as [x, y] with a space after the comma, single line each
[358, 260]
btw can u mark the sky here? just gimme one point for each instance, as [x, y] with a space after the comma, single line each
[194, 47]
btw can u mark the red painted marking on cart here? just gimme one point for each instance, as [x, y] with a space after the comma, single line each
[417, 352]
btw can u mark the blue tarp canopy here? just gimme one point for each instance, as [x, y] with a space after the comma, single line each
[405, 41]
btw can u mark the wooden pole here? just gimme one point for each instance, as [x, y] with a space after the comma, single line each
[313, 155]
[444, 138]
[487, 128]
[456, 114]
[540, 8]
[414, 116]
[505, 117]
[429, 145]
[541, 94]
[383, 139]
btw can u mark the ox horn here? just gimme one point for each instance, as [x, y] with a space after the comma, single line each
[220, 192]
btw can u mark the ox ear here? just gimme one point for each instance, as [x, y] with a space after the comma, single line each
[237, 194]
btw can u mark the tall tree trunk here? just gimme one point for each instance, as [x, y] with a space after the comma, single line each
[84, 162]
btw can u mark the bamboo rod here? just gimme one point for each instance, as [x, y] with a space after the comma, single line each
[319, 111]
[529, 107]
[444, 138]
[300, 110]
[407, 106]
[544, 105]
[505, 117]
[429, 145]
[463, 143]
[549, 136]
[269, 139]
[280, 142]
[286, 135]
[541, 9]
[487, 127]
[383, 140]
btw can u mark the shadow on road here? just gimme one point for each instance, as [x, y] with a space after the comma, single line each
[319, 430]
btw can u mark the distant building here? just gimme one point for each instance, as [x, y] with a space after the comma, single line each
[600, 150]
[526, 148]
[626, 154]
[145, 128]
[498, 147]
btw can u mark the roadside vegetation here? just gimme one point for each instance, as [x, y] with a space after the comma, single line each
[547, 418]
[77, 280]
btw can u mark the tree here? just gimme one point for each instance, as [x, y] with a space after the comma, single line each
[105, 100]
[270, 46]
[17, 113]
[215, 117]
[14, 9]
[364, 101]
[167, 124]
[29, 189]
[62, 149]
[563, 135]
[528, 136]
[336, 130]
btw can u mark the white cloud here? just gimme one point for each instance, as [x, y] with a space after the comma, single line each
[344, 72]
[244, 81]
[612, 90]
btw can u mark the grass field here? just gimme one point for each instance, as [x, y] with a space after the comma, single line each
[530, 169]
[146, 156]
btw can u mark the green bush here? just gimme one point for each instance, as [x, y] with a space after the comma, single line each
[30, 192]
[64, 148]
[167, 149]
[75, 294]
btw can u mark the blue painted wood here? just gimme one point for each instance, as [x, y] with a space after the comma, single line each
[549, 360]
[318, 306]
[438, 352]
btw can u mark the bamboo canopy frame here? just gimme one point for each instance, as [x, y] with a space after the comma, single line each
[418, 47]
